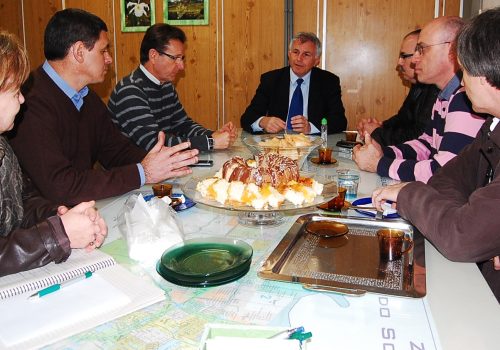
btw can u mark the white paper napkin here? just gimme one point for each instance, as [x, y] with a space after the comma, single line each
[388, 209]
[152, 228]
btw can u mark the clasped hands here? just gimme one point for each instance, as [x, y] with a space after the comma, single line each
[367, 125]
[273, 125]
[225, 136]
[84, 226]
[368, 155]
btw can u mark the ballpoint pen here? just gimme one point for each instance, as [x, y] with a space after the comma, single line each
[289, 332]
[55, 287]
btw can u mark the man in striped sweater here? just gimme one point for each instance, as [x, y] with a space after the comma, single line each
[145, 102]
[453, 124]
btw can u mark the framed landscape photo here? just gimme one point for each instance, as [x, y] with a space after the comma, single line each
[137, 15]
[185, 12]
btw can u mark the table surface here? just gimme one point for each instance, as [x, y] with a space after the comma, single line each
[463, 307]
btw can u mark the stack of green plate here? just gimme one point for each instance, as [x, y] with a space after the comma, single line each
[205, 262]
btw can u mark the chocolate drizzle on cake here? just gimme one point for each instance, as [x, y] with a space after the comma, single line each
[268, 168]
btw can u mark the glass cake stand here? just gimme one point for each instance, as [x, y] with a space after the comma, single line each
[249, 216]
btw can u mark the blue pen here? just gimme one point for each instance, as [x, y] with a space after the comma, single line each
[55, 287]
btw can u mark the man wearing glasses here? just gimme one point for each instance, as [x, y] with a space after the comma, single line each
[453, 124]
[415, 113]
[456, 209]
[145, 102]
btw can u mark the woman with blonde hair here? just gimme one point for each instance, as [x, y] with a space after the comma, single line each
[33, 231]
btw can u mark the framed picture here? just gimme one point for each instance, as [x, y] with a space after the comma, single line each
[137, 15]
[185, 12]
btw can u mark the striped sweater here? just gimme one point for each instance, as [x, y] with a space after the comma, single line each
[453, 126]
[142, 108]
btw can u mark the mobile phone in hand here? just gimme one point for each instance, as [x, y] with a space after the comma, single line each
[203, 163]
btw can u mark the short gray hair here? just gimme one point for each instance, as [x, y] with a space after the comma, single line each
[304, 37]
[479, 46]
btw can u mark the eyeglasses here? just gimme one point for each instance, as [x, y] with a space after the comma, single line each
[404, 56]
[420, 48]
[172, 57]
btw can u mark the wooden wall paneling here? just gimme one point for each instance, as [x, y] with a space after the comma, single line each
[305, 16]
[128, 44]
[220, 60]
[11, 14]
[36, 16]
[362, 46]
[197, 85]
[104, 10]
[452, 8]
[449, 8]
[253, 44]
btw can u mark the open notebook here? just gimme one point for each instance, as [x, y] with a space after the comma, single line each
[111, 292]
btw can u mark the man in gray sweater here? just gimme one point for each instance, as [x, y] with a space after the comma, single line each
[145, 102]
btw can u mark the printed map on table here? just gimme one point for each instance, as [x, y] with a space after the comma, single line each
[337, 322]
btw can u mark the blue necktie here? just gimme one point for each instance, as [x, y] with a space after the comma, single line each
[296, 105]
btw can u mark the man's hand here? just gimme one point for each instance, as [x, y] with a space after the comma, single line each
[84, 226]
[231, 129]
[367, 125]
[272, 125]
[225, 136]
[368, 155]
[166, 162]
[388, 193]
[496, 263]
[301, 124]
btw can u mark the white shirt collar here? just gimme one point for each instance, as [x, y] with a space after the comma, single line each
[294, 77]
[494, 123]
[149, 75]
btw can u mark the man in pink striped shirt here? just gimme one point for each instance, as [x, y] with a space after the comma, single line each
[453, 123]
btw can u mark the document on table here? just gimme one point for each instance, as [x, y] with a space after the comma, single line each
[110, 293]
[30, 319]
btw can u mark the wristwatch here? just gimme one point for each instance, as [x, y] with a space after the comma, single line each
[210, 143]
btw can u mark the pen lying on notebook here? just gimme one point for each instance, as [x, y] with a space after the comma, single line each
[55, 287]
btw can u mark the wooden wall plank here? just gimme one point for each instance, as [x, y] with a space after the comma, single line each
[452, 8]
[36, 16]
[363, 39]
[305, 16]
[129, 43]
[253, 44]
[11, 14]
[197, 85]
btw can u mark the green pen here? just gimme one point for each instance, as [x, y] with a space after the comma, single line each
[55, 287]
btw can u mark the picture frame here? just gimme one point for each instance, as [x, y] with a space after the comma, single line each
[186, 12]
[137, 15]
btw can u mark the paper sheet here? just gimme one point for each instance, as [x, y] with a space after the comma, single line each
[31, 318]
[368, 322]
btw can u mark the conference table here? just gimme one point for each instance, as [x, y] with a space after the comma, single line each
[459, 308]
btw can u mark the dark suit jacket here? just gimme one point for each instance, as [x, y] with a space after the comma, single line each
[412, 117]
[271, 98]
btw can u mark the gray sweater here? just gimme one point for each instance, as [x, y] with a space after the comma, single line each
[142, 108]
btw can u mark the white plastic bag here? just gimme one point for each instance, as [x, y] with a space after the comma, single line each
[149, 228]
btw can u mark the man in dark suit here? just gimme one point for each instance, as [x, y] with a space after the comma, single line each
[320, 94]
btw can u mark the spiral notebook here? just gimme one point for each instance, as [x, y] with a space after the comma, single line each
[77, 264]
[111, 292]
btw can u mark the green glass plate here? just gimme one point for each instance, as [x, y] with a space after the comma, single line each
[205, 262]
